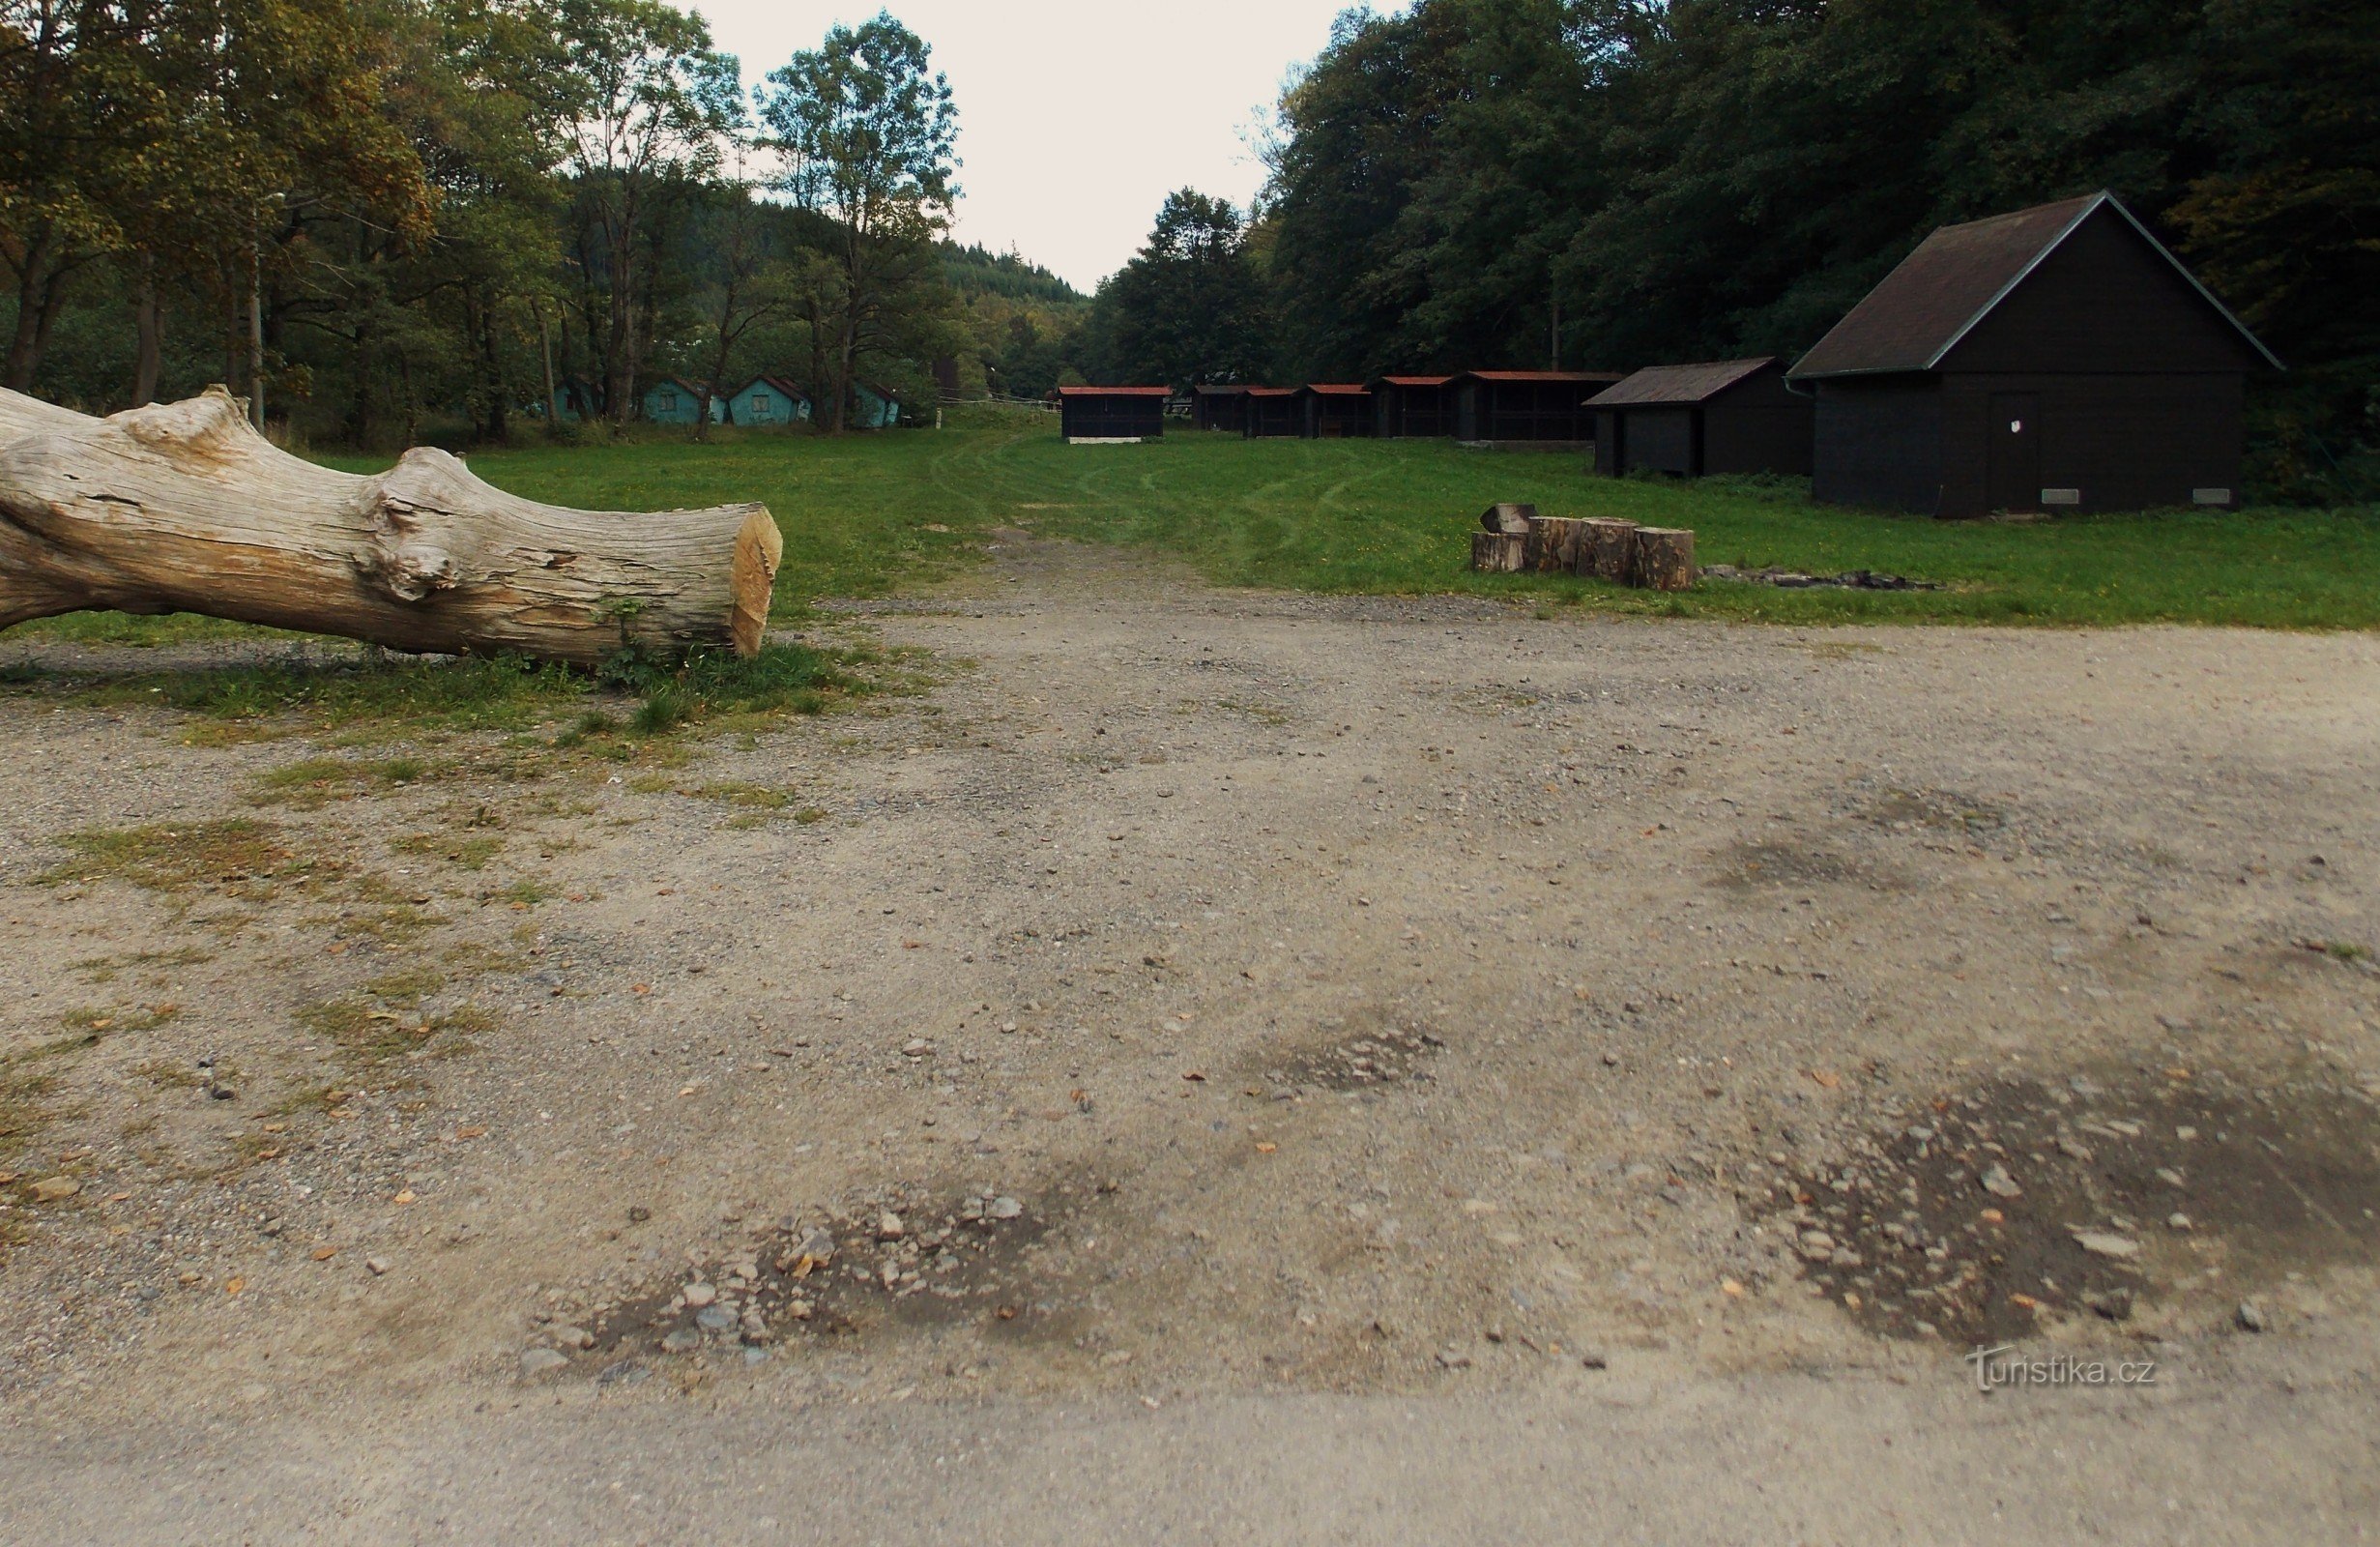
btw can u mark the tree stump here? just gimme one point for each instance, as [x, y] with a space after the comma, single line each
[1499, 552]
[1506, 516]
[1662, 559]
[1552, 544]
[184, 508]
[1604, 549]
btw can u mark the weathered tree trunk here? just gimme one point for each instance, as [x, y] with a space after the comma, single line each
[1606, 549]
[1553, 544]
[1662, 559]
[1506, 516]
[1499, 552]
[184, 508]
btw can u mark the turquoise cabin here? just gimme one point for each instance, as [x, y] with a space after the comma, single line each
[674, 400]
[767, 400]
[874, 407]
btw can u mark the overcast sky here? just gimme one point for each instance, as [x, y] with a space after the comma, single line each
[1075, 118]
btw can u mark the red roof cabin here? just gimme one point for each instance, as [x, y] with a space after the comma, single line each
[1722, 416]
[1274, 412]
[1335, 410]
[1542, 408]
[1112, 416]
[2056, 357]
[1413, 406]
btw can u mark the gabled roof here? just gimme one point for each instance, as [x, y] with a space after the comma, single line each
[779, 383]
[679, 381]
[1337, 388]
[1410, 381]
[1273, 392]
[1679, 384]
[1115, 391]
[1940, 293]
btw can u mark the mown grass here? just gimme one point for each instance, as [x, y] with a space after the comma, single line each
[869, 514]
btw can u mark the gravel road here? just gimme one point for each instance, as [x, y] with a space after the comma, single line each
[1214, 1065]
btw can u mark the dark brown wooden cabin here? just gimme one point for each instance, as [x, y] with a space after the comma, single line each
[2054, 357]
[1335, 410]
[1095, 413]
[1723, 415]
[1528, 407]
[1274, 412]
[1219, 407]
[1407, 406]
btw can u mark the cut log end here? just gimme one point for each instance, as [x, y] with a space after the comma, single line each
[752, 578]
[1606, 549]
[1662, 559]
[1499, 552]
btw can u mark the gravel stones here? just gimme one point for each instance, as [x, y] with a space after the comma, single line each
[1997, 1182]
[2106, 1243]
[536, 1361]
[2250, 1317]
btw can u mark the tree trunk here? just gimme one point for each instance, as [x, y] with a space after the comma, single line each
[1499, 552]
[185, 508]
[149, 333]
[1552, 544]
[1662, 559]
[1604, 549]
[41, 295]
[545, 350]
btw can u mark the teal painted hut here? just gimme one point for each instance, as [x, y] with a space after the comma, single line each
[674, 400]
[767, 400]
[874, 407]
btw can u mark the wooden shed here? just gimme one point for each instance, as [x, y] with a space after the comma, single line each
[675, 400]
[1410, 406]
[874, 406]
[1335, 410]
[2054, 357]
[1274, 411]
[767, 400]
[1722, 416]
[1092, 415]
[1544, 408]
[1219, 407]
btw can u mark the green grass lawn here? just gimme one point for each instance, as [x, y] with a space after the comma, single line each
[873, 513]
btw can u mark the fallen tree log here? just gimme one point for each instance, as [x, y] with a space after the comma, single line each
[185, 508]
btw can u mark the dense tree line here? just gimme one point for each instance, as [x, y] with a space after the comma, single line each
[385, 219]
[1612, 183]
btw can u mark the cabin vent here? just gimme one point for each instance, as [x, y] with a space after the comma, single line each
[2061, 496]
[2210, 496]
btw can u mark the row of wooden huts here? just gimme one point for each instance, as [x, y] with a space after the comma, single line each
[764, 400]
[2058, 357]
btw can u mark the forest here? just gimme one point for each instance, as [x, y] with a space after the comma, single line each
[421, 218]
[1608, 184]
[410, 219]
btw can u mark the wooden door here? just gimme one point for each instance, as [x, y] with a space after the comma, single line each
[2012, 470]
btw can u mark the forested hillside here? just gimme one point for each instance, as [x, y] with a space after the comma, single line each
[1613, 182]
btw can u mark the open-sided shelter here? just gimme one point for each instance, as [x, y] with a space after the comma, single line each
[2055, 357]
[1405, 406]
[1335, 410]
[1274, 411]
[1218, 406]
[1723, 415]
[1090, 414]
[766, 400]
[1528, 407]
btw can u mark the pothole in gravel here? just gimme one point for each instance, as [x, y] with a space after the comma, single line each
[1387, 1056]
[1982, 1215]
[902, 1258]
[1747, 865]
[1940, 811]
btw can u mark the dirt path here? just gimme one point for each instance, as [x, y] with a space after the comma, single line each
[1266, 1021]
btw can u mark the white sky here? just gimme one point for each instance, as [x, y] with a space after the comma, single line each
[1075, 119]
